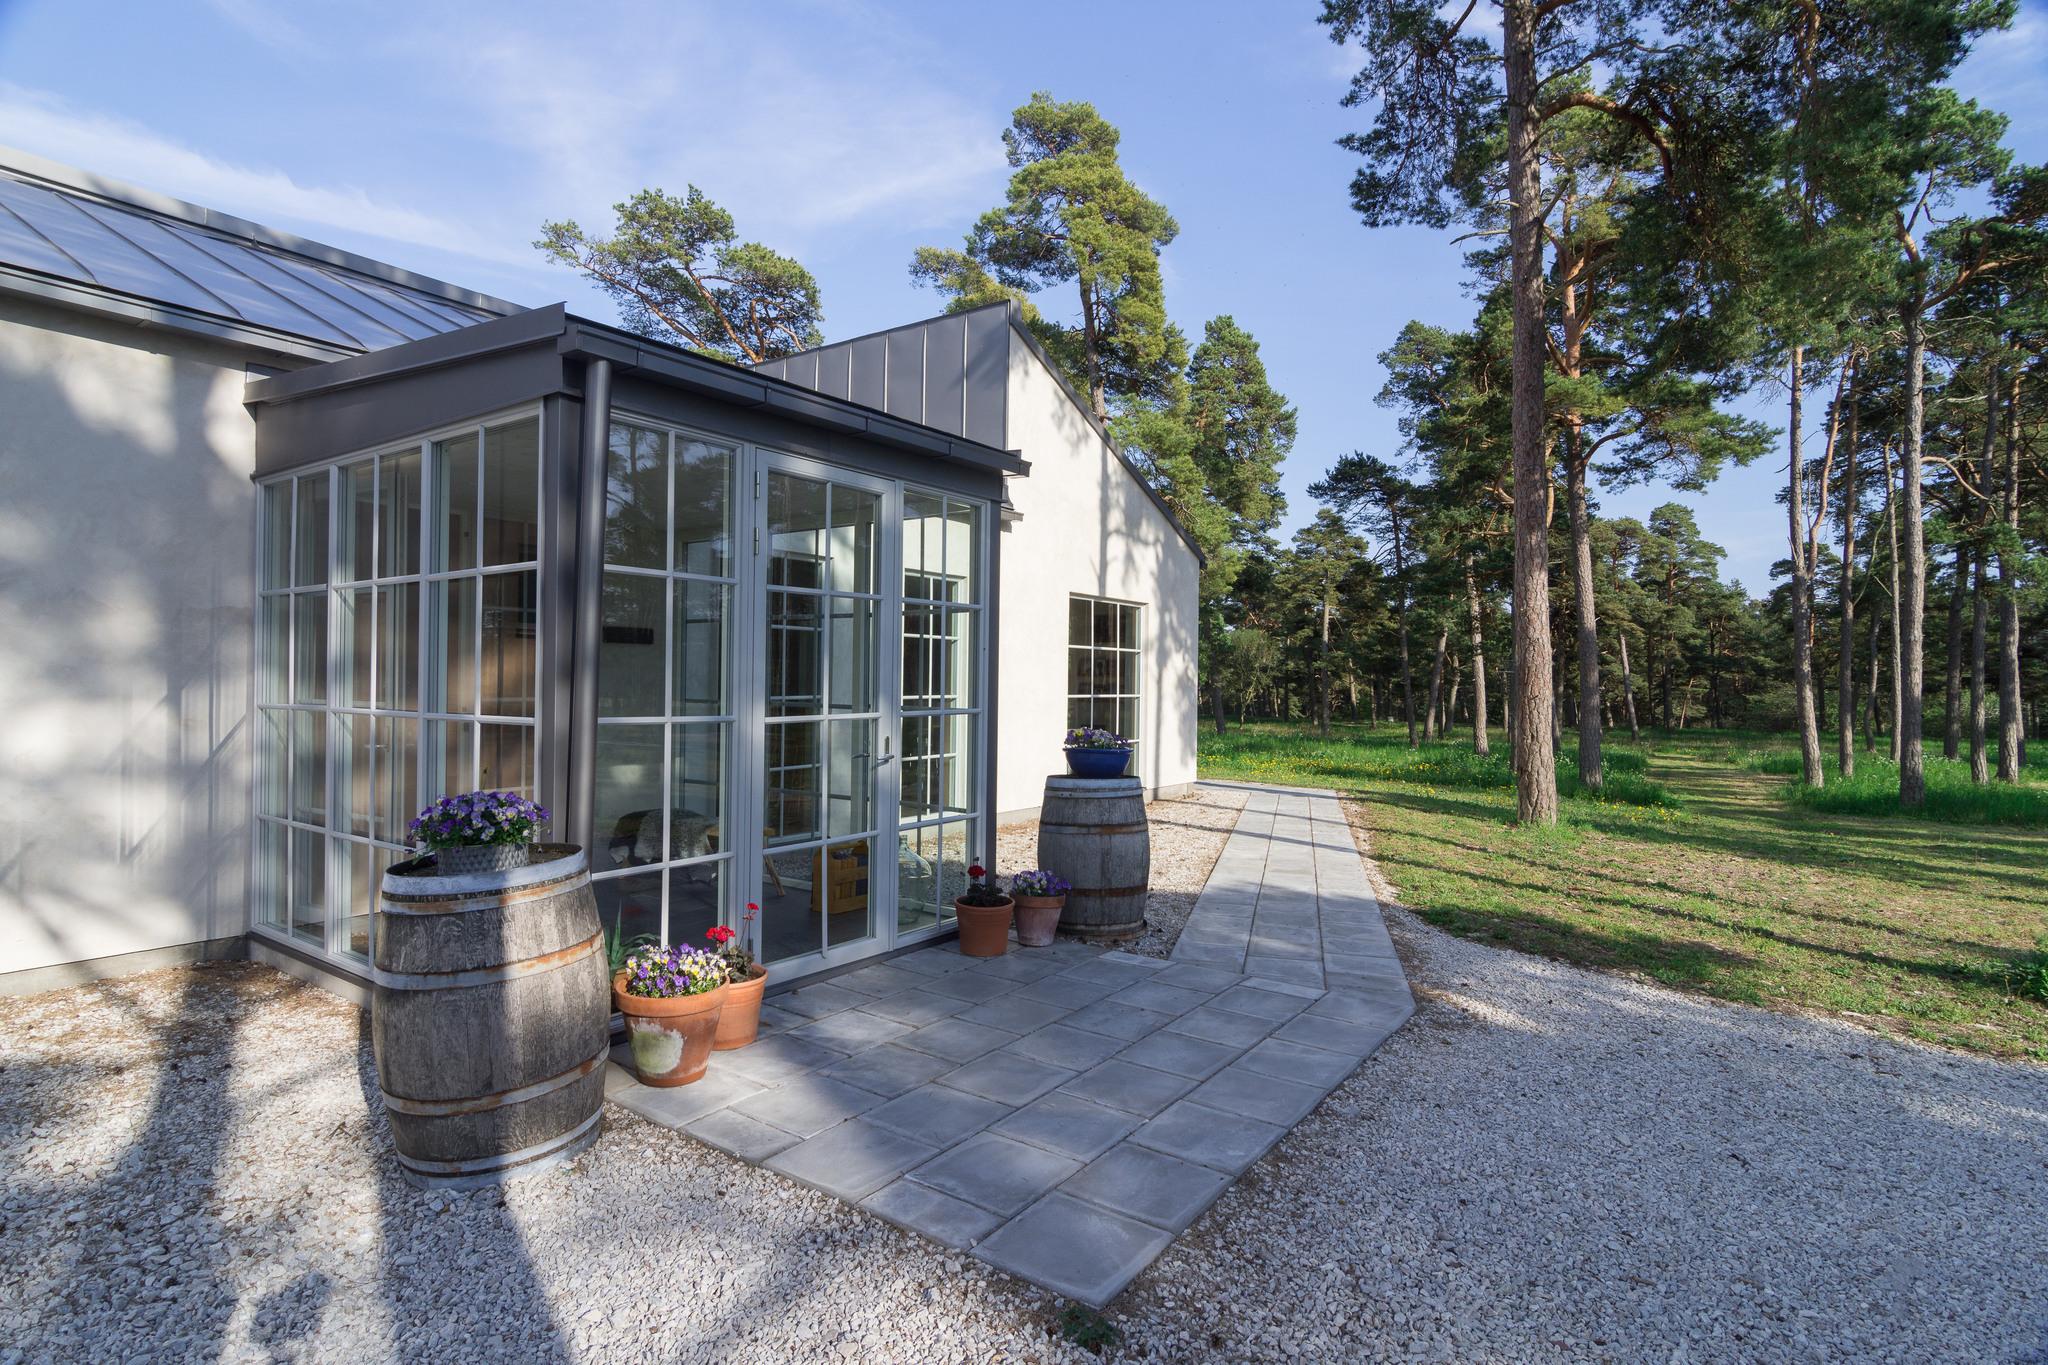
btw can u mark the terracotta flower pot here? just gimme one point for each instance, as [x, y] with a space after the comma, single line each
[740, 1021]
[671, 1038]
[984, 929]
[1038, 919]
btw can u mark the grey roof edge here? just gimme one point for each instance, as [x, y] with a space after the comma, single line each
[1018, 329]
[106, 189]
[153, 313]
[574, 336]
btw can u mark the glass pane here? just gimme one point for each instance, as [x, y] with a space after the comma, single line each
[842, 879]
[850, 777]
[636, 498]
[364, 866]
[853, 671]
[272, 883]
[273, 760]
[510, 630]
[310, 556]
[309, 886]
[695, 895]
[1080, 713]
[277, 536]
[701, 617]
[919, 761]
[795, 628]
[958, 733]
[954, 680]
[1105, 623]
[796, 531]
[357, 625]
[398, 514]
[398, 778]
[505, 760]
[795, 777]
[958, 851]
[917, 879]
[1127, 718]
[698, 772]
[449, 750]
[455, 476]
[352, 761]
[358, 517]
[1079, 630]
[853, 539]
[309, 767]
[703, 476]
[309, 647]
[512, 492]
[273, 634]
[923, 543]
[398, 647]
[918, 657]
[790, 918]
[1127, 627]
[451, 670]
[1103, 676]
[1127, 672]
[631, 645]
[963, 525]
[626, 824]
[1080, 672]
[631, 904]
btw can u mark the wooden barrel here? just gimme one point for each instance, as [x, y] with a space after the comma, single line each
[1092, 831]
[490, 1016]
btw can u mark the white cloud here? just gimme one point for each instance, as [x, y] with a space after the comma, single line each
[2006, 70]
[43, 124]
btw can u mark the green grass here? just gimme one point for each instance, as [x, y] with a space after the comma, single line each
[1952, 798]
[1697, 868]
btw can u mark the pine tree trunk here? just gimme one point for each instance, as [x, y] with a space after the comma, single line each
[1891, 530]
[1912, 604]
[1628, 689]
[1870, 693]
[1323, 673]
[1845, 665]
[1535, 762]
[1436, 684]
[1980, 765]
[1586, 617]
[1479, 745]
[2010, 735]
[1952, 722]
[1802, 586]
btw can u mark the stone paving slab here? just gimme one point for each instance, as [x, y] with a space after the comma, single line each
[1064, 1113]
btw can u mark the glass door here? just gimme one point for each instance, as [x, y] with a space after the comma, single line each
[826, 771]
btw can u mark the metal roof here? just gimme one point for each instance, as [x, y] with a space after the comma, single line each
[113, 248]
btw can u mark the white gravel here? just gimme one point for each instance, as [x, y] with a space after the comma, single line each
[1545, 1163]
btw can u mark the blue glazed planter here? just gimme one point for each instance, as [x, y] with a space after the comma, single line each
[1098, 762]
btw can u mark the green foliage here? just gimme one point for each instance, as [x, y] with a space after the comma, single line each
[1240, 429]
[1952, 798]
[1088, 1329]
[676, 267]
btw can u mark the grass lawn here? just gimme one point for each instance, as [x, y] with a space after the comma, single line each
[1701, 872]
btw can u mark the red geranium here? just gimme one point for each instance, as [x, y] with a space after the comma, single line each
[719, 934]
[977, 871]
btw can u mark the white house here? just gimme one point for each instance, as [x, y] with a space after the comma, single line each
[292, 540]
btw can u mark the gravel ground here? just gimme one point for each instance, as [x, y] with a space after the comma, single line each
[1545, 1163]
[1188, 835]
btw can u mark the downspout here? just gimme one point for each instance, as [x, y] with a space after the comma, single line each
[590, 504]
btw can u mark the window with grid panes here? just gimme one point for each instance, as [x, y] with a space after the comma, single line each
[1104, 651]
[940, 824]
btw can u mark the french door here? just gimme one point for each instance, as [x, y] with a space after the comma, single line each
[823, 657]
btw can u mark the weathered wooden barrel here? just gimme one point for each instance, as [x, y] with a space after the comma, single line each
[490, 1016]
[1092, 831]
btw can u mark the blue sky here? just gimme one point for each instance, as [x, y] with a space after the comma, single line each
[439, 136]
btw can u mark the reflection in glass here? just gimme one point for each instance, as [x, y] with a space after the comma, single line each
[309, 886]
[919, 761]
[630, 648]
[853, 667]
[636, 498]
[352, 763]
[630, 904]
[309, 647]
[398, 648]
[309, 767]
[796, 531]
[917, 879]
[449, 748]
[958, 736]
[627, 805]
[310, 558]
[357, 625]
[277, 535]
[272, 884]
[963, 526]
[398, 779]
[695, 893]
[854, 512]
[455, 493]
[702, 477]
[924, 546]
[843, 869]
[505, 759]
[511, 515]
[789, 920]
[850, 777]
[698, 774]
[358, 517]
[795, 652]
[795, 778]
[398, 514]
[700, 635]
[510, 614]
[273, 617]
[273, 758]
[451, 686]
[360, 869]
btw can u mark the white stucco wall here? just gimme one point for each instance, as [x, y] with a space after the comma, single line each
[1086, 527]
[125, 511]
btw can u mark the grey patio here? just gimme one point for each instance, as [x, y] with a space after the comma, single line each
[1062, 1113]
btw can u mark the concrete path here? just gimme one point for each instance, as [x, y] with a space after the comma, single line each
[1289, 900]
[1063, 1113]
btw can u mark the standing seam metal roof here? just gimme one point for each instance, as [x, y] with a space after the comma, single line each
[60, 227]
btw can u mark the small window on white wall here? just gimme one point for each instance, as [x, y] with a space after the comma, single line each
[1103, 657]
